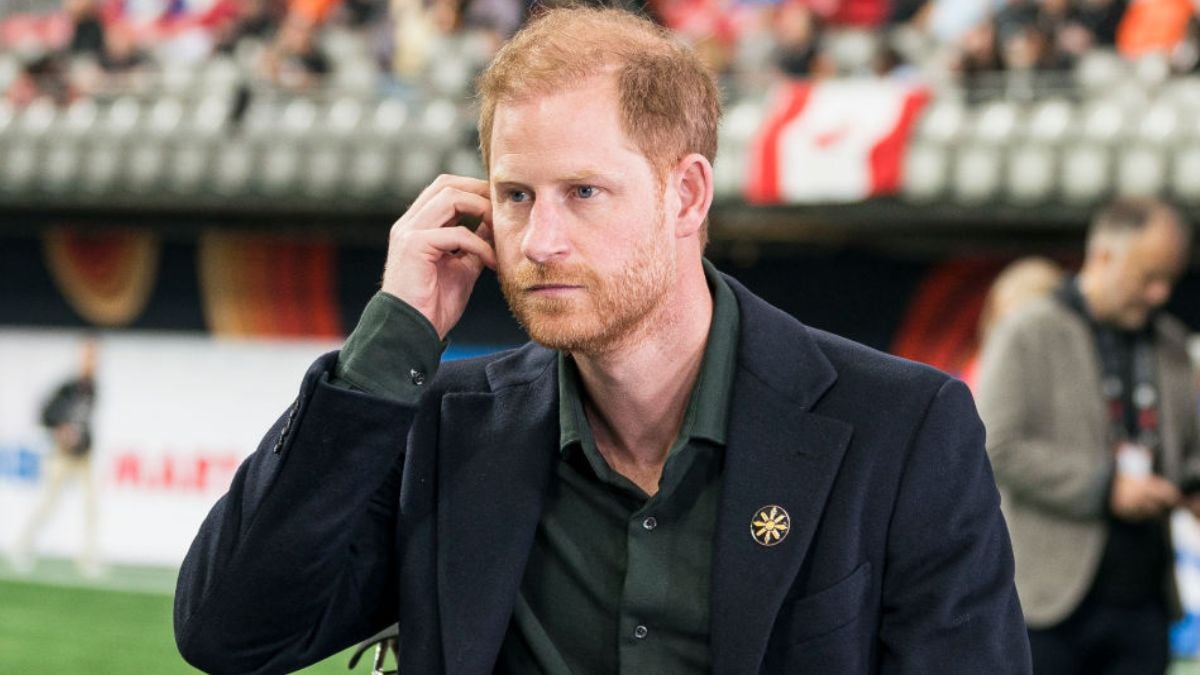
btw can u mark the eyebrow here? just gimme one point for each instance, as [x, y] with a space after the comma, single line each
[581, 176]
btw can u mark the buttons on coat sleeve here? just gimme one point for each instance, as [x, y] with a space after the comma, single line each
[640, 632]
[417, 376]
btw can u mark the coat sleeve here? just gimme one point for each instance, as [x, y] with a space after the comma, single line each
[296, 561]
[949, 600]
[1034, 468]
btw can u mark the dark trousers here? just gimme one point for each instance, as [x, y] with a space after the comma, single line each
[1099, 639]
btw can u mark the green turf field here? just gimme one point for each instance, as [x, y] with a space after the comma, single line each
[56, 623]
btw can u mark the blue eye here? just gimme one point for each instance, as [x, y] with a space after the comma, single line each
[585, 191]
[518, 196]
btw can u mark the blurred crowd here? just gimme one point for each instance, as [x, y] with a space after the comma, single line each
[75, 48]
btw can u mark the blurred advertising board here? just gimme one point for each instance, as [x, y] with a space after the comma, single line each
[174, 417]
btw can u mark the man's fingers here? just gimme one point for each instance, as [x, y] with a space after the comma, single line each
[449, 181]
[457, 241]
[447, 208]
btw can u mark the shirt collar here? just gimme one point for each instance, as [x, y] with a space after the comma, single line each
[707, 414]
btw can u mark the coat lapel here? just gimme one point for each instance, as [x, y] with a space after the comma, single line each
[778, 454]
[495, 461]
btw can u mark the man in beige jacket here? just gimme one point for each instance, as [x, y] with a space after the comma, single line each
[1091, 421]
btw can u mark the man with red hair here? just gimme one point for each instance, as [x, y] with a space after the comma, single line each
[674, 477]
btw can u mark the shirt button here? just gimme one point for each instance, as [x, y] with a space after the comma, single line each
[640, 632]
[650, 523]
[418, 378]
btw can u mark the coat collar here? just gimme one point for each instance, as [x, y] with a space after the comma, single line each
[494, 465]
[779, 454]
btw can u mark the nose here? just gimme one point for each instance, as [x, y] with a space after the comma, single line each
[545, 237]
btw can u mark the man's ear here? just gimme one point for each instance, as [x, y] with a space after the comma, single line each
[692, 180]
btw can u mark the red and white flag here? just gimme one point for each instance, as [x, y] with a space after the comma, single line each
[834, 141]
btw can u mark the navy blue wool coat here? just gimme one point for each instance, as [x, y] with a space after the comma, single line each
[357, 512]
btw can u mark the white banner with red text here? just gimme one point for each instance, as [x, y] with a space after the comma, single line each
[174, 417]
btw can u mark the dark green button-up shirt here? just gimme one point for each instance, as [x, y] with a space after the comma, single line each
[617, 581]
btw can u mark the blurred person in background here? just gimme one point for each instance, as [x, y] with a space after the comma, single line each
[1091, 419]
[87, 28]
[1019, 283]
[674, 477]
[67, 414]
[42, 76]
[295, 60]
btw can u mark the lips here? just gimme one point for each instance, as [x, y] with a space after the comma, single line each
[552, 288]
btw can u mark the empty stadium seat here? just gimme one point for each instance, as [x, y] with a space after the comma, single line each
[232, 167]
[1159, 124]
[1185, 172]
[1141, 171]
[60, 164]
[925, 170]
[1050, 121]
[1102, 121]
[280, 165]
[996, 122]
[188, 167]
[165, 117]
[943, 121]
[146, 164]
[1031, 173]
[102, 163]
[323, 171]
[80, 119]
[1085, 172]
[976, 173]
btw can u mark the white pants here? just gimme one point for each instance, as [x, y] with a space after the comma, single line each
[61, 467]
